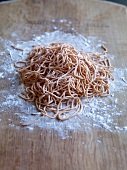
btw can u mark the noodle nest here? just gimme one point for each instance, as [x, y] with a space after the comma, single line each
[56, 77]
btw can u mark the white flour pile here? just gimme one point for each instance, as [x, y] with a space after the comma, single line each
[108, 113]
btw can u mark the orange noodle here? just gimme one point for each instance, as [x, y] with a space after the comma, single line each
[56, 77]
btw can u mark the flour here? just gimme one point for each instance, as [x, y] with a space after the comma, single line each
[108, 113]
[1, 75]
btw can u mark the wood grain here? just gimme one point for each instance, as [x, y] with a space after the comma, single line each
[41, 149]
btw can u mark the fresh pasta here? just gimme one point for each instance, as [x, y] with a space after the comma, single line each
[56, 77]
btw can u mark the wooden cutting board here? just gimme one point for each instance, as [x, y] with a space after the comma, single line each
[43, 149]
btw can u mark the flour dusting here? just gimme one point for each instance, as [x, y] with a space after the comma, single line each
[108, 113]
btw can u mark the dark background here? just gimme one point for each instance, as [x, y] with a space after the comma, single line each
[124, 2]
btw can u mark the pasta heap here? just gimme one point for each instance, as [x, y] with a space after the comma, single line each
[56, 77]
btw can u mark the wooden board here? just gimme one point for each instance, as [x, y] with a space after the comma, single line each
[43, 149]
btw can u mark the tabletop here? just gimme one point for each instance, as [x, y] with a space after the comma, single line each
[101, 142]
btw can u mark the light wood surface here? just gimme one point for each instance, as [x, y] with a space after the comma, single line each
[44, 150]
